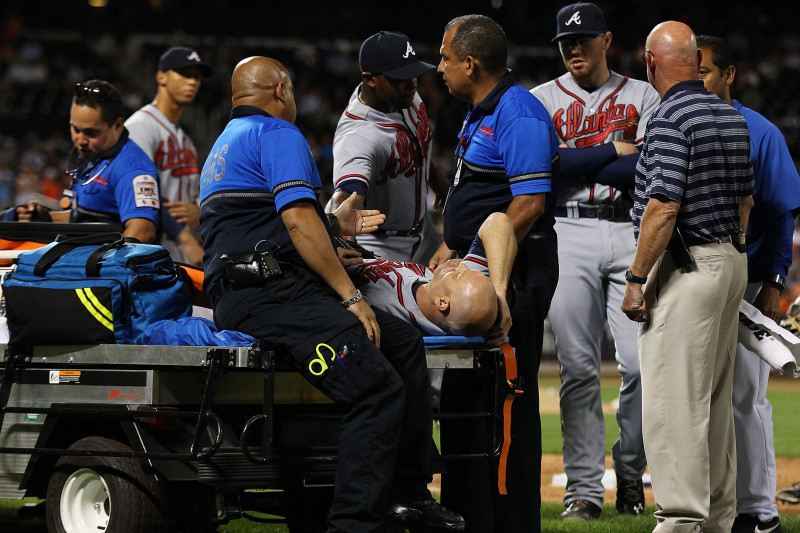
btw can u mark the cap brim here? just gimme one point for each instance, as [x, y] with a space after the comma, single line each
[205, 69]
[573, 34]
[406, 72]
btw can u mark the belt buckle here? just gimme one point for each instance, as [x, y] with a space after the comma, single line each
[605, 212]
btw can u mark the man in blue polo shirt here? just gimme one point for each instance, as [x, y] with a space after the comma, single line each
[507, 161]
[258, 192]
[769, 256]
[694, 177]
[113, 180]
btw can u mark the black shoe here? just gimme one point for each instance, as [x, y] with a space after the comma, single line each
[581, 511]
[425, 516]
[630, 496]
[747, 523]
[790, 495]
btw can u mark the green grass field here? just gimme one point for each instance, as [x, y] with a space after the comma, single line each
[785, 397]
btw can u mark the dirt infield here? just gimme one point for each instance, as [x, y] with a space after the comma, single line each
[788, 473]
[788, 469]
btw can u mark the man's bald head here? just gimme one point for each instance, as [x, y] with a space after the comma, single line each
[673, 55]
[264, 82]
[473, 307]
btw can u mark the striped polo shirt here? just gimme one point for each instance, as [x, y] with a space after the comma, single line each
[697, 153]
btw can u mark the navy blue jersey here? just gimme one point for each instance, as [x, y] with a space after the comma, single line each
[507, 147]
[122, 183]
[259, 165]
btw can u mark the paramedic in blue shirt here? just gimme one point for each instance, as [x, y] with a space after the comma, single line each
[113, 180]
[259, 193]
[506, 161]
[769, 256]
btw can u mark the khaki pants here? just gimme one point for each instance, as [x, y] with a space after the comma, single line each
[687, 352]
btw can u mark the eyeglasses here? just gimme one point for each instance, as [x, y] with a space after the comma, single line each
[644, 56]
[568, 44]
[92, 92]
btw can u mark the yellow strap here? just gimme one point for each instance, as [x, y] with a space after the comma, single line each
[97, 305]
[89, 301]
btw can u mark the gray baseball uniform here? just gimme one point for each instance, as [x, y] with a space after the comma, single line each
[595, 247]
[175, 157]
[392, 285]
[386, 157]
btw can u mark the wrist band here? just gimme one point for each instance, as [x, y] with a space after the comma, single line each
[633, 278]
[354, 299]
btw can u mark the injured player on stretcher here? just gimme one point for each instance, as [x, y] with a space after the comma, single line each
[462, 296]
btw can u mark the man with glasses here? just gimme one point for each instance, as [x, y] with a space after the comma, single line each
[155, 129]
[382, 146]
[113, 180]
[600, 118]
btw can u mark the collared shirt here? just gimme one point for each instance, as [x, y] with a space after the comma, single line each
[120, 184]
[697, 153]
[507, 147]
[258, 166]
[777, 199]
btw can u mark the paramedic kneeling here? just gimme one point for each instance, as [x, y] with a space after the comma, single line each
[272, 272]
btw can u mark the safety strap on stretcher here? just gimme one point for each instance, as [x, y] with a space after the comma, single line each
[514, 390]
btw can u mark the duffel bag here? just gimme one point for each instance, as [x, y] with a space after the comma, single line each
[94, 289]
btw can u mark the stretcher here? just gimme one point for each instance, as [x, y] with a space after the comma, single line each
[224, 423]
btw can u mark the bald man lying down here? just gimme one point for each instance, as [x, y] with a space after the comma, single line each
[461, 297]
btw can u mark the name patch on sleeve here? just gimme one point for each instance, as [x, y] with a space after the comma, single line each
[145, 191]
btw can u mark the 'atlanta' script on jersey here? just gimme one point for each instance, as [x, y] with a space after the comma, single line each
[593, 129]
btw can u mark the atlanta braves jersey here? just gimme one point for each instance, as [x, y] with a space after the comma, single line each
[616, 111]
[175, 157]
[392, 285]
[171, 150]
[385, 157]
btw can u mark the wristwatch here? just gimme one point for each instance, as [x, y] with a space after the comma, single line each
[632, 278]
[777, 280]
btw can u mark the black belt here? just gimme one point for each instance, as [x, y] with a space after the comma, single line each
[397, 233]
[546, 234]
[614, 213]
[697, 241]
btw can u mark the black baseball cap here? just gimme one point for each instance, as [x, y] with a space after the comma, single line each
[391, 54]
[582, 18]
[181, 57]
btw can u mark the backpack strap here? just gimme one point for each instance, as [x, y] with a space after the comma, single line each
[108, 240]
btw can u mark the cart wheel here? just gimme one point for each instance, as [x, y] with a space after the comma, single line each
[113, 494]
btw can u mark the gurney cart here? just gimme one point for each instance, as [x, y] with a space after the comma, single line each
[128, 438]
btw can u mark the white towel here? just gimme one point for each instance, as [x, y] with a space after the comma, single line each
[768, 340]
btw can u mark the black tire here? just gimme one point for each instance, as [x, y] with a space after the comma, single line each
[113, 489]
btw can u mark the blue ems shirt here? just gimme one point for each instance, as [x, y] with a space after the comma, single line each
[777, 199]
[258, 165]
[122, 183]
[507, 147]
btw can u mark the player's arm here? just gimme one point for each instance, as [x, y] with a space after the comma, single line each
[141, 229]
[341, 196]
[310, 238]
[500, 245]
[184, 212]
[191, 247]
